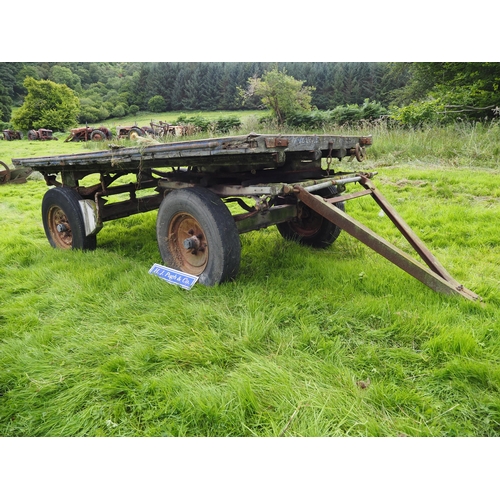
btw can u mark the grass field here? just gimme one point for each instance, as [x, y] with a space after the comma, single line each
[335, 342]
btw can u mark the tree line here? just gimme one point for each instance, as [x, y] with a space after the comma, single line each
[411, 93]
[107, 90]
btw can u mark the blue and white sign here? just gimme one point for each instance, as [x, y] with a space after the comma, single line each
[174, 277]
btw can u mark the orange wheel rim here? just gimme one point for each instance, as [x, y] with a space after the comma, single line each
[188, 244]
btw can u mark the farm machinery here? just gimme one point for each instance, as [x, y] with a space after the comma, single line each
[132, 132]
[283, 180]
[89, 134]
[12, 135]
[14, 176]
[156, 129]
[161, 128]
[42, 134]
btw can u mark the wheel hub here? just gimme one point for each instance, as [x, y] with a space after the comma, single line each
[308, 223]
[59, 227]
[194, 243]
[188, 243]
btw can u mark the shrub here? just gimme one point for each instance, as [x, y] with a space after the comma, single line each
[133, 109]
[341, 115]
[93, 114]
[119, 110]
[222, 124]
[226, 123]
[372, 110]
[157, 104]
[347, 114]
[420, 113]
[88, 114]
[200, 122]
[312, 120]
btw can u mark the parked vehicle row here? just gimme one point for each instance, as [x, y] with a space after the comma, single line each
[132, 132]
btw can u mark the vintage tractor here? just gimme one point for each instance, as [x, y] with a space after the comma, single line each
[133, 132]
[42, 134]
[89, 134]
[12, 135]
[161, 129]
[13, 175]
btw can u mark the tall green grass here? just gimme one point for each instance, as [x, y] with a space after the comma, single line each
[335, 342]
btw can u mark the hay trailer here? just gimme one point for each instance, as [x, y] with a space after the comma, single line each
[283, 180]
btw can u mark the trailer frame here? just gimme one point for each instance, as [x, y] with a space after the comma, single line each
[289, 180]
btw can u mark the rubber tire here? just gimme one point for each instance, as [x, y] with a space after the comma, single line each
[66, 200]
[217, 224]
[134, 132]
[32, 135]
[97, 135]
[327, 231]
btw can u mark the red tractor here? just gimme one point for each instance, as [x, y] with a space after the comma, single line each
[42, 134]
[89, 134]
[12, 135]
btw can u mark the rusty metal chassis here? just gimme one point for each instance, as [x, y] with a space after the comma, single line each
[264, 213]
[260, 214]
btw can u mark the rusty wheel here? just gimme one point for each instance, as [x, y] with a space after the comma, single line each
[97, 135]
[310, 228]
[197, 235]
[63, 220]
[4, 174]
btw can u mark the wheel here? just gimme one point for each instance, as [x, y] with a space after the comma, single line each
[312, 229]
[197, 235]
[148, 130]
[4, 174]
[63, 220]
[135, 133]
[32, 135]
[97, 135]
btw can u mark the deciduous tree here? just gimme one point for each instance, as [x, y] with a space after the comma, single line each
[47, 105]
[281, 93]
